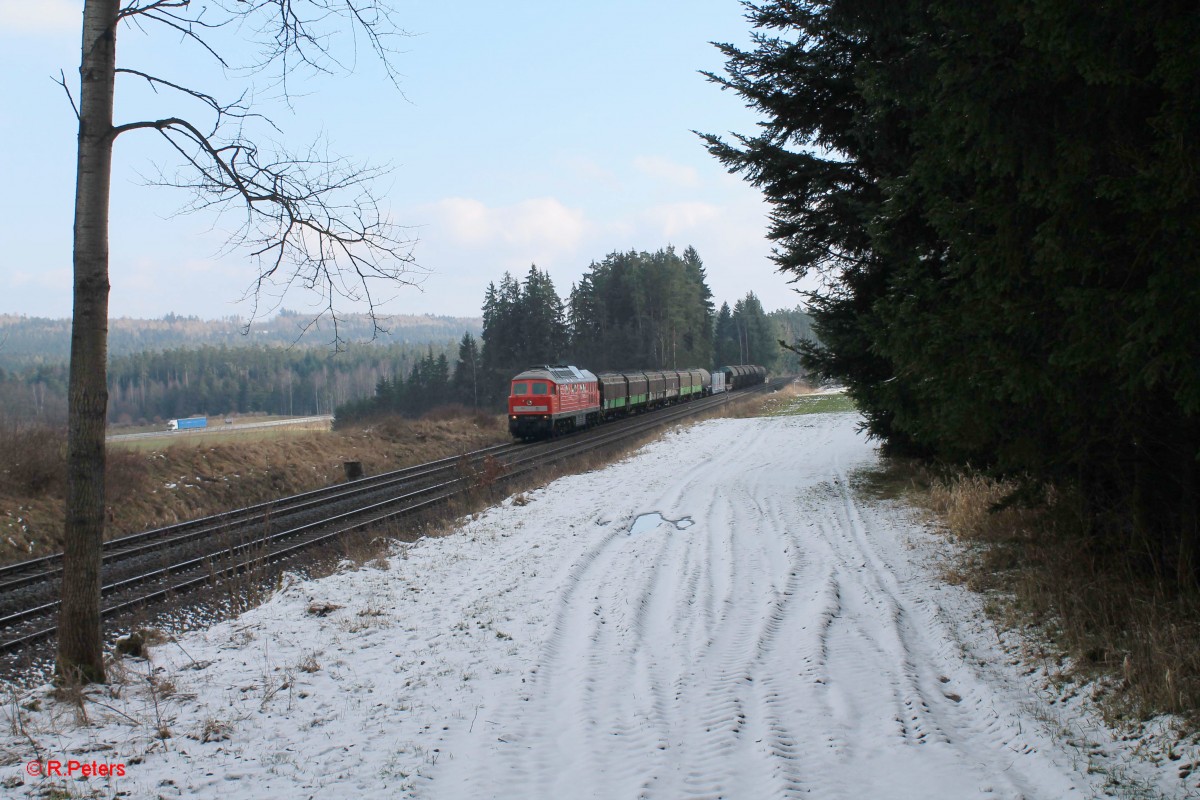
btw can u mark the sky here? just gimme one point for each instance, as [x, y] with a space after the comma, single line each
[524, 133]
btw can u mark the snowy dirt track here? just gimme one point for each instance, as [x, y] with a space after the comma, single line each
[767, 649]
[721, 615]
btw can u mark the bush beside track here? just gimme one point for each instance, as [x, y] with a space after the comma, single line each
[184, 480]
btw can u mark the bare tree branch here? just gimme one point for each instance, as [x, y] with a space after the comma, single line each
[189, 26]
[62, 81]
[308, 220]
[289, 34]
[238, 108]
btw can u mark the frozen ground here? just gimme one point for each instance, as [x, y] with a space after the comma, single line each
[721, 615]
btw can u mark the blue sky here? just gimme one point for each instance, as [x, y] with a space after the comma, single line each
[528, 132]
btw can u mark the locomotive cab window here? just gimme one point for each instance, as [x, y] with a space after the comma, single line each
[539, 388]
[520, 388]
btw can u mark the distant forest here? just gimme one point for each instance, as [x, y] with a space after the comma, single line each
[632, 310]
[189, 366]
[36, 341]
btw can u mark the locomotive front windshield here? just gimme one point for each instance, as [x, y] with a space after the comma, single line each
[525, 387]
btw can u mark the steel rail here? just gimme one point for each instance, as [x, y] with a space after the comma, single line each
[47, 567]
[440, 492]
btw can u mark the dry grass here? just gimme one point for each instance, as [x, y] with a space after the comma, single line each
[199, 476]
[1097, 614]
[34, 462]
[207, 438]
[182, 481]
[795, 397]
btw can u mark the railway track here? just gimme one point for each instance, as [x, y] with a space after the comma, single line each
[150, 567]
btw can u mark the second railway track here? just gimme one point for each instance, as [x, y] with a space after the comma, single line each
[142, 569]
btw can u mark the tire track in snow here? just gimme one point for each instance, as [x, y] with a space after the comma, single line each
[768, 718]
[768, 651]
[595, 706]
[737, 708]
[880, 643]
[565, 719]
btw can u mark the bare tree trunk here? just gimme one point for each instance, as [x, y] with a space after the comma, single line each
[80, 652]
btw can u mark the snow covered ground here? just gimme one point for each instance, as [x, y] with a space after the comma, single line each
[721, 615]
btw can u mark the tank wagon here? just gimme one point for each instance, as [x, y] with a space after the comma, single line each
[551, 399]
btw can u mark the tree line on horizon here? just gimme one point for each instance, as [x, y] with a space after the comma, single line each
[32, 342]
[431, 383]
[149, 387]
[630, 311]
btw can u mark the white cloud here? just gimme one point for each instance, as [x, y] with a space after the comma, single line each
[466, 219]
[675, 219]
[662, 169]
[541, 224]
[588, 171]
[40, 16]
[48, 280]
[466, 244]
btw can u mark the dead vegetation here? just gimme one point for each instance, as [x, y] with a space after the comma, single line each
[246, 473]
[1101, 617]
[767, 404]
[148, 489]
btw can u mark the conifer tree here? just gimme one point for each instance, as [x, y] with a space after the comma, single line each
[541, 320]
[726, 349]
[640, 310]
[996, 199]
[464, 386]
[523, 325]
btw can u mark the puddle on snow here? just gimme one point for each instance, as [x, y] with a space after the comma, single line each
[648, 522]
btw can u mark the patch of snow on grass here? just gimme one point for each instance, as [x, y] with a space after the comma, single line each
[771, 635]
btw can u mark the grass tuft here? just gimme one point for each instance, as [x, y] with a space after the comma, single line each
[197, 477]
[1108, 621]
[793, 399]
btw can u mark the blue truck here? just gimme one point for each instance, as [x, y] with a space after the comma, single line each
[191, 423]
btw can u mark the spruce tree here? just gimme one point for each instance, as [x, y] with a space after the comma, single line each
[464, 386]
[996, 198]
[726, 350]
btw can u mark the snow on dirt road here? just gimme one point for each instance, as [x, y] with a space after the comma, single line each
[721, 615]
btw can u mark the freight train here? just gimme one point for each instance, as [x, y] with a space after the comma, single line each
[553, 399]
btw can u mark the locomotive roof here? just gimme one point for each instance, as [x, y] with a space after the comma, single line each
[557, 372]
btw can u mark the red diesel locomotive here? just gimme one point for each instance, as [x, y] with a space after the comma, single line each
[552, 399]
